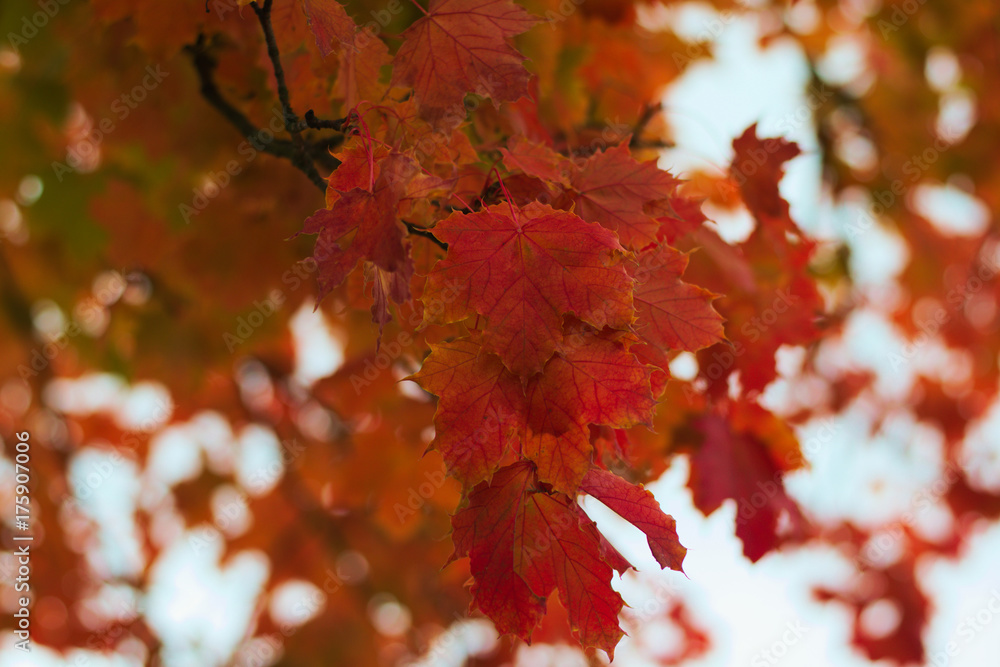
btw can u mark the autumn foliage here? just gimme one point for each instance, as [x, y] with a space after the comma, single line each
[471, 196]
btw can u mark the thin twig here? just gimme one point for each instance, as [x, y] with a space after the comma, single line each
[300, 152]
[292, 123]
[264, 16]
[204, 65]
[420, 231]
[640, 125]
[321, 124]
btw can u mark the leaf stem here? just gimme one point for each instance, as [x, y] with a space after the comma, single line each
[417, 5]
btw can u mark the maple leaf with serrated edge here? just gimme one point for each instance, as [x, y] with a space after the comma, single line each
[732, 462]
[757, 167]
[524, 270]
[359, 64]
[638, 506]
[370, 219]
[672, 314]
[329, 23]
[485, 531]
[612, 188]
[556, 547]
[481, 407]
[354, 171]
[590, 381]
[523, 543]
[614, 558]
[678, 216]
[459, 47]
[536, 160]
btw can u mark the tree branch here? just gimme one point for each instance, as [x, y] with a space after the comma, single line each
[426, 233]
[300, 152]
[647, 115]
[293, 125]
[204, 65]
[320, 124]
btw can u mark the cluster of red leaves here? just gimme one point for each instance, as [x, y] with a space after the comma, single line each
[508, 355]
[536, 259]
[563, 299]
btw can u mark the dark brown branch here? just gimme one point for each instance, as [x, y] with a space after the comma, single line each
[204, 65]
[300, 152]
[425, 233]
[651, 143]
[640, 125]
[264, 16]
[321, 124]
[293, 125]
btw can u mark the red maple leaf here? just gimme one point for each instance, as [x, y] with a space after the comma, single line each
[329, 23]
[486, 531]
[558, 548]
[361, 225]
[459, 47]
[388, 286]
[537, 160]
[738, 463]
[671, 314]
[592, 381]
[524, 543]
[480, 411]
[524, 270]
[612, 188]
[757, 168]
[356, 168]
[638, 506]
